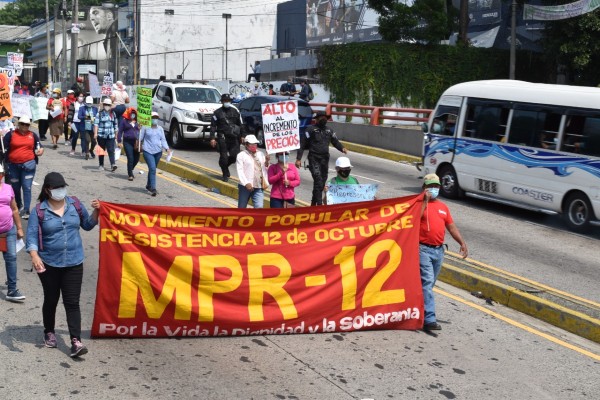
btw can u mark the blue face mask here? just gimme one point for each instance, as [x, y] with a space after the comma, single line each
[434, 192]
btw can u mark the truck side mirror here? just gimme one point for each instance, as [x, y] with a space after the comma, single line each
[425, 127]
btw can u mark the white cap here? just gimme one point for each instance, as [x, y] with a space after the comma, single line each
[24, 120]
[154, 114]
[70, 91]
[89, 100]
[1, 169]
[343, 162]
[107, 102]
[251, 139]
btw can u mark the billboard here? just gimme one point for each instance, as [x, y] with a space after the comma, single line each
[340, 21]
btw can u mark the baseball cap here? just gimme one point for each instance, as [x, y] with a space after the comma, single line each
[107, 102]
[225, 97]
[24, 120]
[54, 180]
[431, 179]
[89, 100]
[251, 139]
[343, 162]
[154, 114]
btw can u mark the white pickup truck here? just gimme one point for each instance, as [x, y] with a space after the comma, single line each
[185, 109]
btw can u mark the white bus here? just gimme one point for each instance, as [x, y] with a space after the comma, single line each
[535, 146]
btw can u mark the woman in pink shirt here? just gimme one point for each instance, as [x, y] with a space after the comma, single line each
[283, 177]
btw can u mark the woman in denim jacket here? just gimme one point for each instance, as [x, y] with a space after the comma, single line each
[56, 249]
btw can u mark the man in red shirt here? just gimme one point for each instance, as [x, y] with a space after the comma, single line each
[435, 219]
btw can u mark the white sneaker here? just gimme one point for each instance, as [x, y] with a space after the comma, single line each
[72, 153]
[101, 168]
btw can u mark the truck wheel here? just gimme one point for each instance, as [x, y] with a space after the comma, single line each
[449, 183]
[175, 136]
[578, 212]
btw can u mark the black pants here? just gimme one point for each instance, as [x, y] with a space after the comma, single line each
[68, 282]
[228, 151]
[255, 76]
[43, 127]
[319, 168]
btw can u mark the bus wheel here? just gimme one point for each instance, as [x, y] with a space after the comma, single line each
[449, 181]
[578, 212]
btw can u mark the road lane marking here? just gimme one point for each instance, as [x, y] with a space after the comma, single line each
[519, 325]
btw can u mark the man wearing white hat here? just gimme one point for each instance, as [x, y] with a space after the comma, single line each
[251, 167]
[435, 219]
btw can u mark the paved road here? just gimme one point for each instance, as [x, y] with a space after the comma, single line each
[482, 352]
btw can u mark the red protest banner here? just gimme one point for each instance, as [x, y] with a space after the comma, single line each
[167, 271]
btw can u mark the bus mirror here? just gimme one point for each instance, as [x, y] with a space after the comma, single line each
[424, 127]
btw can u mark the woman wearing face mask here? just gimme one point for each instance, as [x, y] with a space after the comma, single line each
[56, 249]
[252, 172]
[283, 177]
[128, 139]
[435, 219]
[153, 142]
[77, 126]
[56, 117]
[86, 116]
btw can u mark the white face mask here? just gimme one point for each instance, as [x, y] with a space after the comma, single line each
[58, 194]
[80, 99]
[226, 105]
[132, 116]
[154, 121]
[107, 108]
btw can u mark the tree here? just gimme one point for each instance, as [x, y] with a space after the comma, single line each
[25, 12]
[574, 44]
[427, 21]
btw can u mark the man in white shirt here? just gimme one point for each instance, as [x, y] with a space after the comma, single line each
[252, 171]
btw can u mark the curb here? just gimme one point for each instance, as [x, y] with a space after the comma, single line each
[526, 303]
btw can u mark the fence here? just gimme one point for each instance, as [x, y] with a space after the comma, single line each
[375, 115]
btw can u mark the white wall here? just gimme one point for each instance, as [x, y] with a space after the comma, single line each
[199, 25]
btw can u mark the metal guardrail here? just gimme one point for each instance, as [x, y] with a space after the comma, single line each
[376, 116]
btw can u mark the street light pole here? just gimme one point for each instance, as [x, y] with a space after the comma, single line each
[227, 18]
[513, 40]
[48, 44]
[74, 41]
[63, 61]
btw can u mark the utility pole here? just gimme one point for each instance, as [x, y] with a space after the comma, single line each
[135, 43]
[227, 18]
[513, 40]
[48, 44]
[463, 22]
[74, 41]
[63, 60]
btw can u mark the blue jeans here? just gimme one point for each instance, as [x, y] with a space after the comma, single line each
[152, 161]
[244, 195]
[21, 177]
[430, 261]
[74, 137]
[133, 156]
[10, 258]
[108, 145]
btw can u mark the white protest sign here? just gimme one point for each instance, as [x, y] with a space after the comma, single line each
[95, 90]
[38, 108]
[107, 84]
[20, 105]
[16, 60]
[338, 194]
[10, 74]
[281, 126]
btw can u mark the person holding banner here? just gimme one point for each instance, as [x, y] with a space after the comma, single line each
[251, 168]
[435, 219]
[284, 178]
[153, 142]
[87, 115]
[22, 148]
[55, 117]
[316, 140]
[105, 129]
[128, 138]
[56, 249]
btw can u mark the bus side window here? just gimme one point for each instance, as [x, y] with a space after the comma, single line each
[588, 143]
[524, 128]
[488, 123]
[573, 136]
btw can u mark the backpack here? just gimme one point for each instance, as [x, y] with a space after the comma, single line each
[311, 95]
[40, 214]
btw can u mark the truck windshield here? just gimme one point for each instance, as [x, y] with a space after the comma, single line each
[197, 95]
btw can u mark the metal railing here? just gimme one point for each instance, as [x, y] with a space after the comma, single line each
[375, 114]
